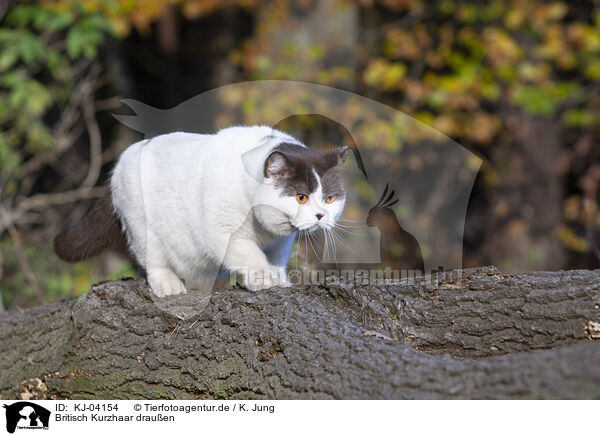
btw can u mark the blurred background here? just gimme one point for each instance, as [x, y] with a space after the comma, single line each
[515, 82]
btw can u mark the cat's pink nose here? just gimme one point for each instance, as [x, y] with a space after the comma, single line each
[319, 216]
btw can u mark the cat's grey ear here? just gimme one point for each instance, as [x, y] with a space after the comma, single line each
[278, 166]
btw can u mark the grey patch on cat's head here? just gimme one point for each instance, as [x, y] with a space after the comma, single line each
[293, 168]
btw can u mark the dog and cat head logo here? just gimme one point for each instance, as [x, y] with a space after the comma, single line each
[26, 415]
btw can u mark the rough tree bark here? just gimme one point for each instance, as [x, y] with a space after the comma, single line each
[482, 335]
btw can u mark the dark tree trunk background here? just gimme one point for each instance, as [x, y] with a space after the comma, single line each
[480, 335]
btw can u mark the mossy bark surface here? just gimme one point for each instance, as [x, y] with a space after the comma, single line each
[474, 334]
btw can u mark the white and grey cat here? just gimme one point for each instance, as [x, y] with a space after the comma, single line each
[187, 205]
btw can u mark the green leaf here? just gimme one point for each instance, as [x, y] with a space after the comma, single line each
[58, 65]
[40, 18]
[8, 57]
[15, 83]
[39, 97]
[31, 48]
[39, 138]
[581, 118]
[535, 100]
[544, 100]
[6, 34]
[58, 22]
[22, 14]
[83, 41]
[96, 21]
[437, 98]
[11, 79]
[9, 159]
[592, 70]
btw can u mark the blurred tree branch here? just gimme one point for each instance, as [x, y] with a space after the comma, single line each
[53, 199]
[65, 48]
[50, 79]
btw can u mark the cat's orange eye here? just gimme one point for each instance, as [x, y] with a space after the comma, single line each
[330, 199]
[301, 198]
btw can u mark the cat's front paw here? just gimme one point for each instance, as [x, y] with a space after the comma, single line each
[165, 283]
[266, 280]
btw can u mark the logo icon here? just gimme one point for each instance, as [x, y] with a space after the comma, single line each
[26, 415]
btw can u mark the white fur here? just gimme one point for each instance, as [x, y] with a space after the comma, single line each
[191, 203]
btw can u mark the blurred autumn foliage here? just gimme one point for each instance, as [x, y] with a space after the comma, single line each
[516, 82]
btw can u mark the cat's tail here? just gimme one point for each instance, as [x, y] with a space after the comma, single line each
[97, 231]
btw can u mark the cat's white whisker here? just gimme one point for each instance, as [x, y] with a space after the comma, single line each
[334, 246]
[304, 233]
[352, 226]
[342, 240]
[326, 245]
[350, 232]
[311, 245]
[297, 247]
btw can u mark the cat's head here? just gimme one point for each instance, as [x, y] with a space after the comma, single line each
[302, 187]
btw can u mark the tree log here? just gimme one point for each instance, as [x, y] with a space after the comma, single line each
[475, 334]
